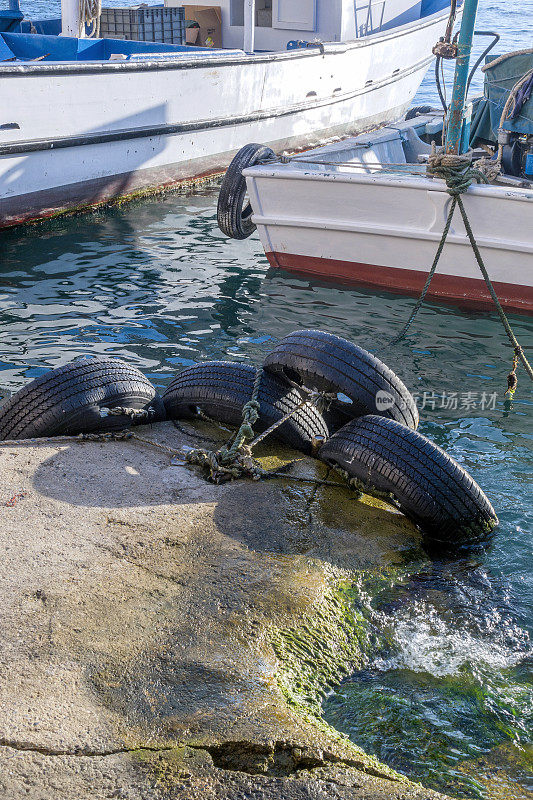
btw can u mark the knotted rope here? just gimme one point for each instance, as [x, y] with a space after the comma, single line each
[234, 460]
[459, 173]
[135, 414]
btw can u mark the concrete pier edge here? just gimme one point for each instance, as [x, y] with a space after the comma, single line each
[167, 638]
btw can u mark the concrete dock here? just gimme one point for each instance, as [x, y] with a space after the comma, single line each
[166, 638]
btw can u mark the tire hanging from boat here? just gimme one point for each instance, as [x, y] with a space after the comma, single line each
[328, 363]
[418, 111]
[220, 389]
[429, 487]
[69, 400]
[234, 218]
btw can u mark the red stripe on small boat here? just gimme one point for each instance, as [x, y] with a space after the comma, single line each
[471, 292]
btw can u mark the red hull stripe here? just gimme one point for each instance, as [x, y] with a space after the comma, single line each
[446, 288]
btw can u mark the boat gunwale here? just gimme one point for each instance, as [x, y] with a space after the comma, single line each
[421, 182]
[10, 70]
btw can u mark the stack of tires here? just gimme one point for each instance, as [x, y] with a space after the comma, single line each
[369, 427]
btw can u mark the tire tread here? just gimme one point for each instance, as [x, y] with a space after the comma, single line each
[42, 408]
[221, 388]
[335, 364]
[429, 485]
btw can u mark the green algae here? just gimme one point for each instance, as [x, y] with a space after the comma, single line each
[171, 769]
[504, 773]
[316, 655]
[332, 643]
[129, 198]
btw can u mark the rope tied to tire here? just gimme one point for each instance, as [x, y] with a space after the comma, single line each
[459, 174]
[134, 414]
[235, 460]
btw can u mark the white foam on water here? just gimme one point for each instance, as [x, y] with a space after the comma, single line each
[423, 641]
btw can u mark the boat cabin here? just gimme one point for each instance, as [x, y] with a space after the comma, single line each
[254, 26]
[287, 24]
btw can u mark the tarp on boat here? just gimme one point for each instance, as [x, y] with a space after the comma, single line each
[34, 47]
[501, 74]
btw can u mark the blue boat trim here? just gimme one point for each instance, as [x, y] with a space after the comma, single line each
[169, 129]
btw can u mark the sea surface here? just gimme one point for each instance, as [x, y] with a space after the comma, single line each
[446, 695]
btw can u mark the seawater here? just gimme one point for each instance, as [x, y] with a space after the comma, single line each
[446, 694]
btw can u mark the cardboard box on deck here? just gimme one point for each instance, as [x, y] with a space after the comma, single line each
[209, 18]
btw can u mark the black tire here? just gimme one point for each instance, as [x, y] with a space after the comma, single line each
[418, 111]
[221, 388]
[67, 400]
[233, 218]
[323, 361]
[430, 487]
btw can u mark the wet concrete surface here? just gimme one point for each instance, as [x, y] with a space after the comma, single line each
[141, 607]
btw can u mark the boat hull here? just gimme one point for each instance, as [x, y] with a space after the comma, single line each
[152, 165]
[384, 232]
[135, 128]
[465, 292]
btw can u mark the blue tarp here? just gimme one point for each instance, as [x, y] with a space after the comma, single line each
[5, 53]
[47, 27]
[10, 20]
[27, 47]
[30, 46]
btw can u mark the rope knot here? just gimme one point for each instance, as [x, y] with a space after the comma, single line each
[512, 382]
[250, 415]
[234, 461]
[458, 171]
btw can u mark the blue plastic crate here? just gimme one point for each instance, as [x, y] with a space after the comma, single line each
[163, 25]
[154, 24]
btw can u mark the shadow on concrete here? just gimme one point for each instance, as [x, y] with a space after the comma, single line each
[282, 516]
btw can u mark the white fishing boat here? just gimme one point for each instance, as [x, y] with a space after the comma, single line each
[84, 121]
[370, 212]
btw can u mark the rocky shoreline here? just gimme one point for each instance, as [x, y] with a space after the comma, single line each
[167, 638]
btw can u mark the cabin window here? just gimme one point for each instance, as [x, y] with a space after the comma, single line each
[296, 15]
[263, 13]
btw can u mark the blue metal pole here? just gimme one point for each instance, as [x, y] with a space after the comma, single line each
[464, 49]
[14, 5]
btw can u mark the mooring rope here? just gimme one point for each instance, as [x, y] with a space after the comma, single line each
[459, 173]
[90, 11]
[109, 436]
[228, 463]
[135, 414]
[236, 460]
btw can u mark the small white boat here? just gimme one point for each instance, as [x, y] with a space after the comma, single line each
[84, 121]
[367, 211]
